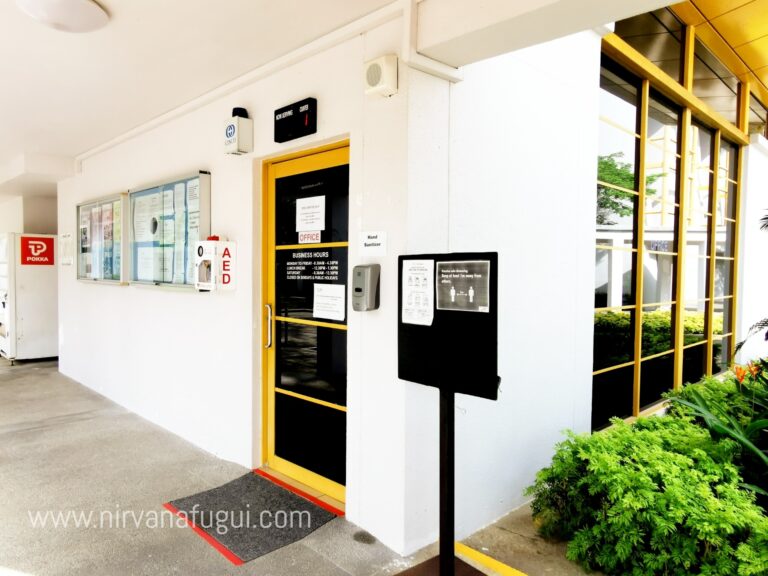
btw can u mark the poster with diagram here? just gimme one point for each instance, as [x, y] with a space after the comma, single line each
[166, 221]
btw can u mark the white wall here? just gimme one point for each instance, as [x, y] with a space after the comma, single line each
[488, 164]
[523, 154]
[12, 214]
[28, 214]
[753, 275]
[185, 360]
[40, 214]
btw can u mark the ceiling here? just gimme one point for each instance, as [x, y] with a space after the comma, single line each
[737, 31]
[63, 94]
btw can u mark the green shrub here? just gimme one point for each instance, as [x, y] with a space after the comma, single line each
[659, 497]
[723, 390]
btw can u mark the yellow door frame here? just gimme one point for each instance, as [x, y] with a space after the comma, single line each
[336, 154]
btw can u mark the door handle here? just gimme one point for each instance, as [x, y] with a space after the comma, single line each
[269, 326]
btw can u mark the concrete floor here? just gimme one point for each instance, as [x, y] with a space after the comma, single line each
[64, 447]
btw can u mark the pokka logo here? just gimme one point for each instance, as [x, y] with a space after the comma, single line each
[37, 251]
[37, 247]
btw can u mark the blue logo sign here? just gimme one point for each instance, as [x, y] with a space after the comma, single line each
[230, 130]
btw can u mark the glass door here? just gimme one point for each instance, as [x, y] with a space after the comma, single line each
[305, 281]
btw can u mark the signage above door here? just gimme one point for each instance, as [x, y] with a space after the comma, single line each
[296, 120]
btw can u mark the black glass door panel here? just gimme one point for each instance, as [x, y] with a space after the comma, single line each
[312, 436]
[312, 361]
[309, 284]
[330, 184]
[297, 273]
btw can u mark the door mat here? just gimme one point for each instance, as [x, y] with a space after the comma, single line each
[249, 517]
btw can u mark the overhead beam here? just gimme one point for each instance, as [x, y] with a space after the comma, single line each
[456, 32]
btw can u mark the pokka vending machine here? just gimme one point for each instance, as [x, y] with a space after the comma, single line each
[28, 296]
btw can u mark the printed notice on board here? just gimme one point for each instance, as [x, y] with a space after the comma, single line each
[418, 292]
[464, 286]
[310, 214]
[329, 301]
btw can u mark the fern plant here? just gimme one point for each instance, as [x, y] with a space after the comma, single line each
[658, 497]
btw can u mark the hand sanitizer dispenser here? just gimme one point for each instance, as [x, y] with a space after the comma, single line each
[365, 287]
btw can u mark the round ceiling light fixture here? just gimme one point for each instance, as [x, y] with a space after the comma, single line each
[66, 15]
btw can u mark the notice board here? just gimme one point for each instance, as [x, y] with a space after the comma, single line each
[166, 221]
[448, 321]
[100, 239]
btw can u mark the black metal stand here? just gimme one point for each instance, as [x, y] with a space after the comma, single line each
[446, 564]
[447, 481]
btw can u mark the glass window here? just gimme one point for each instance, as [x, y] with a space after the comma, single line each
[714, 83]
[721, 354]
[657, 36]
[612, 394]
[616, 174]
[658, 275]
[694, 363]
[661, 174]
[624, 384]
[614, 338]
[656, 377]
[658, 330]
[694, 321]
[698, 209]
[614, 276]
[758, 117]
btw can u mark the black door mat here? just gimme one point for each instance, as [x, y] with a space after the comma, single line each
[250, 517]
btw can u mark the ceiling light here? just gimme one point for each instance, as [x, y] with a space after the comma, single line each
[66, 15]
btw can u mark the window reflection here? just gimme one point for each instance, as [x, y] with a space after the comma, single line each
[612, 396]
[614, 278]
[656, 377]
[694, 321]
[662, 162]
[714, 83]
[312, 361]
[658, 330]
[614, 337]
[700, 175]
[657, 36]
[616, 178]
[658, 274]
[694, 363]
[758, 117]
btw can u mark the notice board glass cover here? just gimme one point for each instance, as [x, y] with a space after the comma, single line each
[100, 239]
[165, 223]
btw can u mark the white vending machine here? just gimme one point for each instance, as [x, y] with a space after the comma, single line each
[28, 296]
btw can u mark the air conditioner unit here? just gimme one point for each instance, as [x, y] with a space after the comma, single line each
[381, 76]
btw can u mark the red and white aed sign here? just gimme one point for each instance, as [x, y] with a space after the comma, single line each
[226, 253]
[37, 251]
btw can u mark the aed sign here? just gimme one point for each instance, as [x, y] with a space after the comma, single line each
[215, 265]
[37, 251]
[226, 254]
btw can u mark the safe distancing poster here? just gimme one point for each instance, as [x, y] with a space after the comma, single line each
[463, 286]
